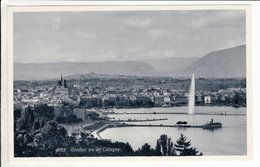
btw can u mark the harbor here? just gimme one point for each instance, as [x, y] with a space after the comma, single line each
[211, 126]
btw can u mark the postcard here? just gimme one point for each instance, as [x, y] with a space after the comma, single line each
[152, 82]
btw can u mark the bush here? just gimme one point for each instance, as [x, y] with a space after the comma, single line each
[43, 110]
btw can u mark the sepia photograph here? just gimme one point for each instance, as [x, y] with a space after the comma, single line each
[129, 83]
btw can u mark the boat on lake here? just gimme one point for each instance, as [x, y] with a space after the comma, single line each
[212, 125]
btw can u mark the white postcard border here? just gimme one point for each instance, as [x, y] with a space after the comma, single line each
[8, 126]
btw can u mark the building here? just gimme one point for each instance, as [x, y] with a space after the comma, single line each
[85, 114]
[158, 100]
[207, 99]
[62, 87]
[80, 113]
[166, 99]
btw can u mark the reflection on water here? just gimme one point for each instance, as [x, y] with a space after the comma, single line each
[229, 140]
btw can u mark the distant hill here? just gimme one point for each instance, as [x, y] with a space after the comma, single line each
[171, 66]
[226, 63]
[53, 70]
[222, 63]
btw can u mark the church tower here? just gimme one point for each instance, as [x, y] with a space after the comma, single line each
[62, 81]
[62, 87]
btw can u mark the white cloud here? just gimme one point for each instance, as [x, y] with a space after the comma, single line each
[219, 19]
[97, 36]
[160, 53]
[138, 22]
[85, 35]
[155, 33]
[231, 14]
[56, 23]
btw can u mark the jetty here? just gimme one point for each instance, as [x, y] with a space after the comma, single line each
[101, 129]
[154, 125]
[141, 120]
[122, 125]
[180, 124]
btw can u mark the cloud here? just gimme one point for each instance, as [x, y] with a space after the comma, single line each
[215, 19]
[56, 22]
[138, 22]
[155, 33]
[124, 35]
[85, 35]
[161, 53]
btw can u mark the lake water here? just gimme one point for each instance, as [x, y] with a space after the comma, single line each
[231, 139]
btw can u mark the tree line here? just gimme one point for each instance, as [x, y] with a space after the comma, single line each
[38, 134]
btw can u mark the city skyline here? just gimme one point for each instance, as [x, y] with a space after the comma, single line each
[121, 36]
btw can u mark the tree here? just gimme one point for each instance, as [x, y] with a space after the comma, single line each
[67, 108]
[164, 146]
[236, 100]
[17, 113]
[170, 148]
[146, 150]
[36, 125]
[183, 147]
[65, 84]
[28, 119]
[43, 110]
[158, 149]
[52, 136]
[163, 142]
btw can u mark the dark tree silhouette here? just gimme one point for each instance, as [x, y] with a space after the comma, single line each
[236, 100]
[17, 113]
[59, 83]
[183, 147]
[146, 150]
[36, 125]
[165, 146]
[65, 84]
[158, 149]
[26, 122]
[43, 110]
[163, 142]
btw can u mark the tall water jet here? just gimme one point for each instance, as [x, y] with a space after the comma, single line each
[192, 96]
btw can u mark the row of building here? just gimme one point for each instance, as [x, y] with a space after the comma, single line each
[101, 97]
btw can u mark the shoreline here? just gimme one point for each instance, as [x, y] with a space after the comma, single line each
[223, 114]
[98, 126]
[174, 106]
[96, 133]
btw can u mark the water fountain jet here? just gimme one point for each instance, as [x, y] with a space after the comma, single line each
[192, 96]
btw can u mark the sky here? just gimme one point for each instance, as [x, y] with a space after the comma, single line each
[124, 35]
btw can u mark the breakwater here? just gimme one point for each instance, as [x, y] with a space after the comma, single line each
[169, 126]
[142, 120]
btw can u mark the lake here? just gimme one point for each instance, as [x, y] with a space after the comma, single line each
[231, 139]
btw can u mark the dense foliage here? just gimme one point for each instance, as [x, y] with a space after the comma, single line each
[38, 134]
[183, 147]
[69, 119]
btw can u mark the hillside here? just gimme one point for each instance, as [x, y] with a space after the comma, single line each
[171, 66]
[53, 70]
[224, 63]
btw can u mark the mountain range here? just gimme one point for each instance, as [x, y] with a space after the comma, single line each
[171, 66]
[53, 70]
[224, 63]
